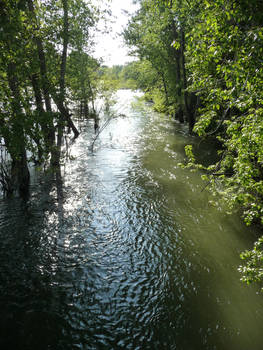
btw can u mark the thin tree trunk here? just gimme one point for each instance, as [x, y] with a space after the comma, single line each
[49, 129]
[49, 89]
[20, 176]
[60, 100]
[189, 110]
[65, 50]
[92, 98]
[65, 113]
[62, 92]
[42, 61]
[41, 113]
[178, 58]
[86, 108]
[165, 88]
[37, 93]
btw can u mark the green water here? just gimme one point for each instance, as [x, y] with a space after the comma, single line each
[125, 251]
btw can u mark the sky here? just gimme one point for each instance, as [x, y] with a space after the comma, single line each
[110, 46]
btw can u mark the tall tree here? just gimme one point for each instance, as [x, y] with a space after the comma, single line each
[157, 34]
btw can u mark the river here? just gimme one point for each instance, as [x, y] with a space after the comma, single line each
[125, 251]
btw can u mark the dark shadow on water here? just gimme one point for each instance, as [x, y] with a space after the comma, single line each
[33, 305]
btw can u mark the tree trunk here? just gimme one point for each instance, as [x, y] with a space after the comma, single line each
[65, 50]
[179, 83]
[20, 176]
[48, 129]
[62, 95]
[37, 93]
[49, 89]
[86, 108]
[165, 88]
[190, 113]
[65, 114]
[92, 97]
[41, 112]
[42, 60]
[179, 115]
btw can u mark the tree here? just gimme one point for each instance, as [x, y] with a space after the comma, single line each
[12, 117]
[207, 60]
[83, 80]
[225, 56]
[35, 39]
[157, 34]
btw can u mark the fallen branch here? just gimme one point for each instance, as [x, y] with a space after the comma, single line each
[104, 125]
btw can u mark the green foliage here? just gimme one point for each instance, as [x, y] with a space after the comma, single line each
[122, 76]
[35, 41]
[83, 78]
[225, 51]
[153, 34]
[252, 271]
[214, 50]
[225, 56]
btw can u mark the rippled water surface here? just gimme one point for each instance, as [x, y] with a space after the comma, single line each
[124, 251]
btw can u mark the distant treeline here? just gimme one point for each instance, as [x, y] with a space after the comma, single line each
[122, 76]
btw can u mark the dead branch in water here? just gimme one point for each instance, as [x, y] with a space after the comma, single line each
[101, 128]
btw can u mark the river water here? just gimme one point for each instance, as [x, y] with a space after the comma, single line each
[124, 251]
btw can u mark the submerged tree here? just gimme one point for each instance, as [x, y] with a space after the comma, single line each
[83, 80]
[36, 39]
[13, 104]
